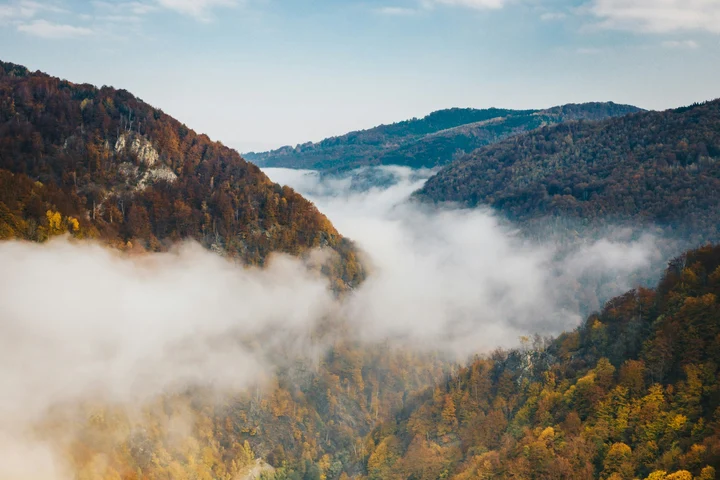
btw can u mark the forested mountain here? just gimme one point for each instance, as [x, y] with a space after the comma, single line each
[102, 163]
[434, 140]
[633, 393]
[650, 167]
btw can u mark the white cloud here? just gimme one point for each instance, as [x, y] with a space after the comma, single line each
[45, 29]
[692, 44]
[396, 11]
[658, 16]
[199, 9]
[475, 4]
[552, 16]
[125, 8]
[25, 9]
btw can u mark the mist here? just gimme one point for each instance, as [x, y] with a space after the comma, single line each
[80, 322]
[466, 281]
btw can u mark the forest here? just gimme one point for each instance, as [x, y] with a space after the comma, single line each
[659, 168]
[432, 141]
[102, 164]
[632, 393]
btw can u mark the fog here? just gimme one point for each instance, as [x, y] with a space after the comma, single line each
[81, 322]
[464, 280]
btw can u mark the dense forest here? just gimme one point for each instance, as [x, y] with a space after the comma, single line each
[632, 393]
[651, 167]
[434, 140]
[100, 163]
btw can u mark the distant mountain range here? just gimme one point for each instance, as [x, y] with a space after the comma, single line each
[432, 141]
[101, 163]
[648, 167]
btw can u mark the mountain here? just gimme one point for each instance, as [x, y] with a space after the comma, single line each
[633, 393]
[101, 163]
[649, 167]
[434, 140]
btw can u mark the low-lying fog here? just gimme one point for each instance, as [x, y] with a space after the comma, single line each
[463, 279]
[79, 322]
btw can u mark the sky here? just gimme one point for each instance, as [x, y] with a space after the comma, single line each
[259, 74]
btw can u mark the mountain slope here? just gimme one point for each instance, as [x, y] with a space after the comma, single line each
[434, 140]
[633, 393]
[102, 163]
[660, 167]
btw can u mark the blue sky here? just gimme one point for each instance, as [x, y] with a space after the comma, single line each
[257, 74]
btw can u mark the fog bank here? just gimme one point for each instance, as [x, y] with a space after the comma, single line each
[79, 322]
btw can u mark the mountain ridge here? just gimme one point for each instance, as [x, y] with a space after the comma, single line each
[101, 163]
[649, 167]
[431, 141]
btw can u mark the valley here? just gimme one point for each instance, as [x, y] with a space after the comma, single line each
[540, 303]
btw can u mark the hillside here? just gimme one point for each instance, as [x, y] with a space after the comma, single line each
[101, 163]
[650, 167]
[434, 140]
[633, 393]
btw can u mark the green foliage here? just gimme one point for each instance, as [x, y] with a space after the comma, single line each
[434, 140]
[652, 167]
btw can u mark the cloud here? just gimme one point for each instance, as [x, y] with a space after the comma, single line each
[474, 4]
[125, 8]
[18, 10]
[199, 9]
[428, 5]
[553, 16]
[25, 9]
[691, 44]
[658, 16]
[45, 29]
[463, 280]
[396, 11]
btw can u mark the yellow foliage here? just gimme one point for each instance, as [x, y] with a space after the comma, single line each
[707, 473]
[680, 475]
[548, 434]
[55, 225]
[678, 422]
